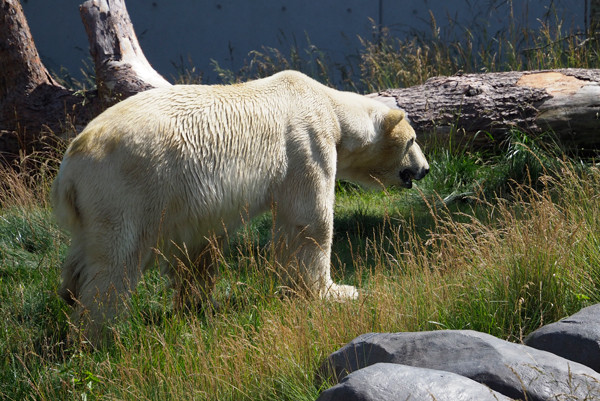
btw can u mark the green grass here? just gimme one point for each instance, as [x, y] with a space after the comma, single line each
[503, 266]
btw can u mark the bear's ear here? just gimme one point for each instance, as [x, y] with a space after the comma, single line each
[393, 117]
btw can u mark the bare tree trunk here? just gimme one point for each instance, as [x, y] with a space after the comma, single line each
[34, 109]
[121, 67]
[484, 107]
[32, 103]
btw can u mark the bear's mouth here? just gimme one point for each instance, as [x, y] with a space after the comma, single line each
[406, 178]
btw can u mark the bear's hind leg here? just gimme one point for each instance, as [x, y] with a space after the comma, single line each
[111, 272]
[71, 269]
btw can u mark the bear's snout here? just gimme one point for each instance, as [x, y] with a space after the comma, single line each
[407, 175]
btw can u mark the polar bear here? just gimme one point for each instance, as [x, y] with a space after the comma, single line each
[171, 167]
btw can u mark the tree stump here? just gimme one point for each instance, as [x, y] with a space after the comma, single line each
[32, 104]
[35, 111]
[121, 67]
[486, 107]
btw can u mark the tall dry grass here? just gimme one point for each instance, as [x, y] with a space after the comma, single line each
[501, 266]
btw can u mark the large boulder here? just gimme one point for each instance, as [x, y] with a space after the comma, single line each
[392, 382]
[514, 370]
[576, 337]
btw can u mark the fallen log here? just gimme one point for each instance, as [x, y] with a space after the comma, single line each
[482, 108]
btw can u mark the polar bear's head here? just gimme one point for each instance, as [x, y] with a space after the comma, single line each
[403, 158]
[389, 157]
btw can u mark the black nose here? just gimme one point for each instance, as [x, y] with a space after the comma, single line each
[414, 174]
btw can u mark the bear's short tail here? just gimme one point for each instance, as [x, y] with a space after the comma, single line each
[64, 203]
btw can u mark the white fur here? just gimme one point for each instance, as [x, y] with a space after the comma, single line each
[173, 166]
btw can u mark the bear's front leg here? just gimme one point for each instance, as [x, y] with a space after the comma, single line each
[304, 235]
[194, 276]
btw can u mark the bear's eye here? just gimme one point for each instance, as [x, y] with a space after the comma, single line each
[410, 142]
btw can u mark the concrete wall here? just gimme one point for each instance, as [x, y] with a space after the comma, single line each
[176, 32]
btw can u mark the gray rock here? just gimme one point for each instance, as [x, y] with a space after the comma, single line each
[514, 370]
[392, 382]
[576, 337]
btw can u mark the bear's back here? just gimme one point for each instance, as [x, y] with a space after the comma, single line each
[205, 148]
